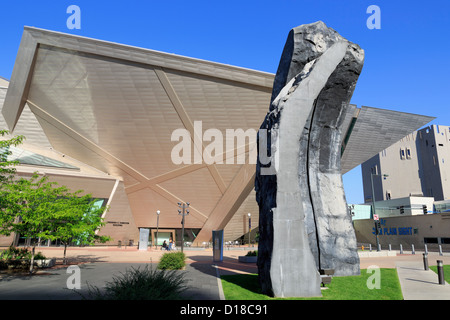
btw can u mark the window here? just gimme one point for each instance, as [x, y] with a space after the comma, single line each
[388, 195]
[402, 154]
[374, 169]
[408, 153]
[430, 240]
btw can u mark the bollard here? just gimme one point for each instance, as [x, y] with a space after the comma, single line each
[390, 248]
[440, 250]
[412, 249]
[370, 247]
[425, 261]
[440, 269]
[426, 249]
[401, 249]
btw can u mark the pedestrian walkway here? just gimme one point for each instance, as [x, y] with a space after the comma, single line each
[51, 284]
[99, 265]
[420, 284]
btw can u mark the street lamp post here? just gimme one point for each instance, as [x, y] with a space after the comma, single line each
[157, 228]
[183, 211]
[249, 227]
[373, 205]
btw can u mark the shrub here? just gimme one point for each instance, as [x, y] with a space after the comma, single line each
[172, 261]
[39, 256]
[142, 284]
[17, 258]
[13, 253]
[252, 253]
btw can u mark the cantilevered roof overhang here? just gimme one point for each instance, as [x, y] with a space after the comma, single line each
[115, 107]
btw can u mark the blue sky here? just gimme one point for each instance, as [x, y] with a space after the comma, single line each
[406, 61]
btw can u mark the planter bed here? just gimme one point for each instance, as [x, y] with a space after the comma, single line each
[23, 264]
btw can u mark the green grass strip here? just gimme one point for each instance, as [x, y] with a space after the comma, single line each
[246, 287]
[446, 272]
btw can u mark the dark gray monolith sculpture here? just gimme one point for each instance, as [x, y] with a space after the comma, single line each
[304, 223]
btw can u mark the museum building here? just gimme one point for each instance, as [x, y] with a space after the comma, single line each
[109, 118]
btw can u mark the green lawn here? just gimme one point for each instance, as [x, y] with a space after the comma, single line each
[246, 287]
[446, 272]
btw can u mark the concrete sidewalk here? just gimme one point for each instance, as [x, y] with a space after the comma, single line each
[420, 284]
[99, 265]
[52, 284]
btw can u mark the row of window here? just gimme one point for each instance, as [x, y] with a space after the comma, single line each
[405, 153]
[436, 240]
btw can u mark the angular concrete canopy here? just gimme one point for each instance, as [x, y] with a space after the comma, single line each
[372, 128]
[114, 107]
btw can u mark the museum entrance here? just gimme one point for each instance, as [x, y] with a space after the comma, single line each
[175, 235]
[163, 235]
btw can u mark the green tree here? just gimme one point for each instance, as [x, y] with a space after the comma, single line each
[41, 210]
[28, 208]
[7, 169]
[79, 221]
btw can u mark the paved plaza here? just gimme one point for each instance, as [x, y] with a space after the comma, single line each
[99, 265]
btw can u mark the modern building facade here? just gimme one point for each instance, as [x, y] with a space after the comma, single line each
[417, 165]
[416, 230]
[412, 222]
[110, 119]
[407, 206]
[411, 189]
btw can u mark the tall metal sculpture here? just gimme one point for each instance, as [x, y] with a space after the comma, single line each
[304, 224]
